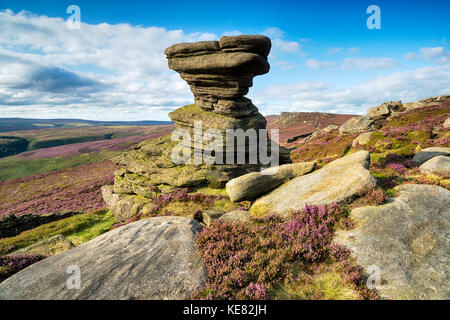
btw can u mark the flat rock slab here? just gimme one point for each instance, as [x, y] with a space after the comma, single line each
[431, 152]
[408, 239]
[439, 164]
[338, 181]
[153, 258]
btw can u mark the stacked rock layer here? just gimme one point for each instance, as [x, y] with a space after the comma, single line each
[219, 74]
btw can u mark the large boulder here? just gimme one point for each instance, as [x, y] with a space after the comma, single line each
[357, 125]
[439, 164]
[408, 239]
[338, 181]
[153, 258]
[254, 184]
[431, 152]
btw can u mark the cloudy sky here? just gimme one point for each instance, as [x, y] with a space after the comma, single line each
[323, 58]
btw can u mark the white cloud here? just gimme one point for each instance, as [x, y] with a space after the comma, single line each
[436, 55]
[316, 64]
[78, 73]
[333, 50]
[353, 50]
[273, 32]
[411, 56]
[368, 63]
[407, 86]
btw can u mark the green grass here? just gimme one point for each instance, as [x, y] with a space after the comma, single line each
[79, 228]
[17, 167]
[328, 285]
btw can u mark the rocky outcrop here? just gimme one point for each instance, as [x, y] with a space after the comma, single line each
[356, 125]
[219, 74]
[338, 181]
[254, 184]
[439, 164]
[371, 119]
[408, 239]
[47, 247]
[432, 101]
[362, 139]
[384, 110]
[12, 225]
[153, 258]
[431, 152]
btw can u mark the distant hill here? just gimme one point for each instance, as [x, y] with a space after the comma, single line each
[296, 124]
[18, 124]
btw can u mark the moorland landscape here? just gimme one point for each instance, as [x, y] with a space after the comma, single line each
[354, 193]
[306, 162]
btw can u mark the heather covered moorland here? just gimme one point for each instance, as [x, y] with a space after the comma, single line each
[295, 257]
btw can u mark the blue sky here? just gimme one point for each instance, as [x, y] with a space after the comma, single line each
[324, 58]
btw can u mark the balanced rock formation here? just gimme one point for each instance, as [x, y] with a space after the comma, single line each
[408, 240]
[219, 74]
[338, 181]
[154, 258]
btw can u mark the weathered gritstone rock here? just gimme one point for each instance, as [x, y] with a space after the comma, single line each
[439, 164]
[432, 101]
[338, 181]
[254, 184]
[408, 239]
[153, 258]
[219, 74]
[431, 152]
[362, 139]
[356, 125]
[383, 110]
[236, 216]
[209, 216]
[447, 123]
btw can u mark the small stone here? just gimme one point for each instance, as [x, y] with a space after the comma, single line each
[236, 216]
[209, 216]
